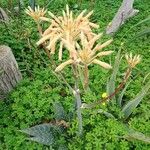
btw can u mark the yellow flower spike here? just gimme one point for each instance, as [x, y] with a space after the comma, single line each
[89, 14]
[60, 51]
[132, 60]
[101, 63]
[39, 12]
[81, 15]
[63, 65]
[105, 53]
[43, 39]
[94, 39]
[99, 47]
[94, 25]
[45, 19]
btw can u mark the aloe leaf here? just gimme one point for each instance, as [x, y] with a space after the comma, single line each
[119, 100]
[107, 114]
[112, 80]
[144, 32]
[143, 21]
[59, 112]
[139, 23]
[131, 105]
[135, 135]
[62, 147]
[43, 133]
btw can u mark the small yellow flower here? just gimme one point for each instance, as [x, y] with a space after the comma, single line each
[104, 104]
[104, 95]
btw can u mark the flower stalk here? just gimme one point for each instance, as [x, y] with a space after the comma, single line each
[79, 113]
[86, 77]
[77, 96]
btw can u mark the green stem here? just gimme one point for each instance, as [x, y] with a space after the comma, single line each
[79, 113]
[78, 99]
[86, 77]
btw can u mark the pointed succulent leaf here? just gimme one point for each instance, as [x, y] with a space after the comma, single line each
[131, 105]
[135, 135]
[43, 133]
[112, 80]
[143, 32]
[107, 114]
[59, 112]
[120, 98]
[143, 21]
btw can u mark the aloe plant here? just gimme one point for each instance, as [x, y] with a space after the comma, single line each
[127, 109]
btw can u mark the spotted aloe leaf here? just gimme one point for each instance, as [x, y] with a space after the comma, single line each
[44, 133]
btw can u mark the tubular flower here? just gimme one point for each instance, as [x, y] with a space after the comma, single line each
[61, 66]
[132, 60]
[68, 28]
[37, 13]
[87, 53]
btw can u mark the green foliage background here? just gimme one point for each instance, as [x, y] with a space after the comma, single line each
[31, 102]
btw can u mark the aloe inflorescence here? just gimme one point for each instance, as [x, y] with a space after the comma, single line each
[75, 34]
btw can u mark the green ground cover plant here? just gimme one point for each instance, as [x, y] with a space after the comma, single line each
[42, 99]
